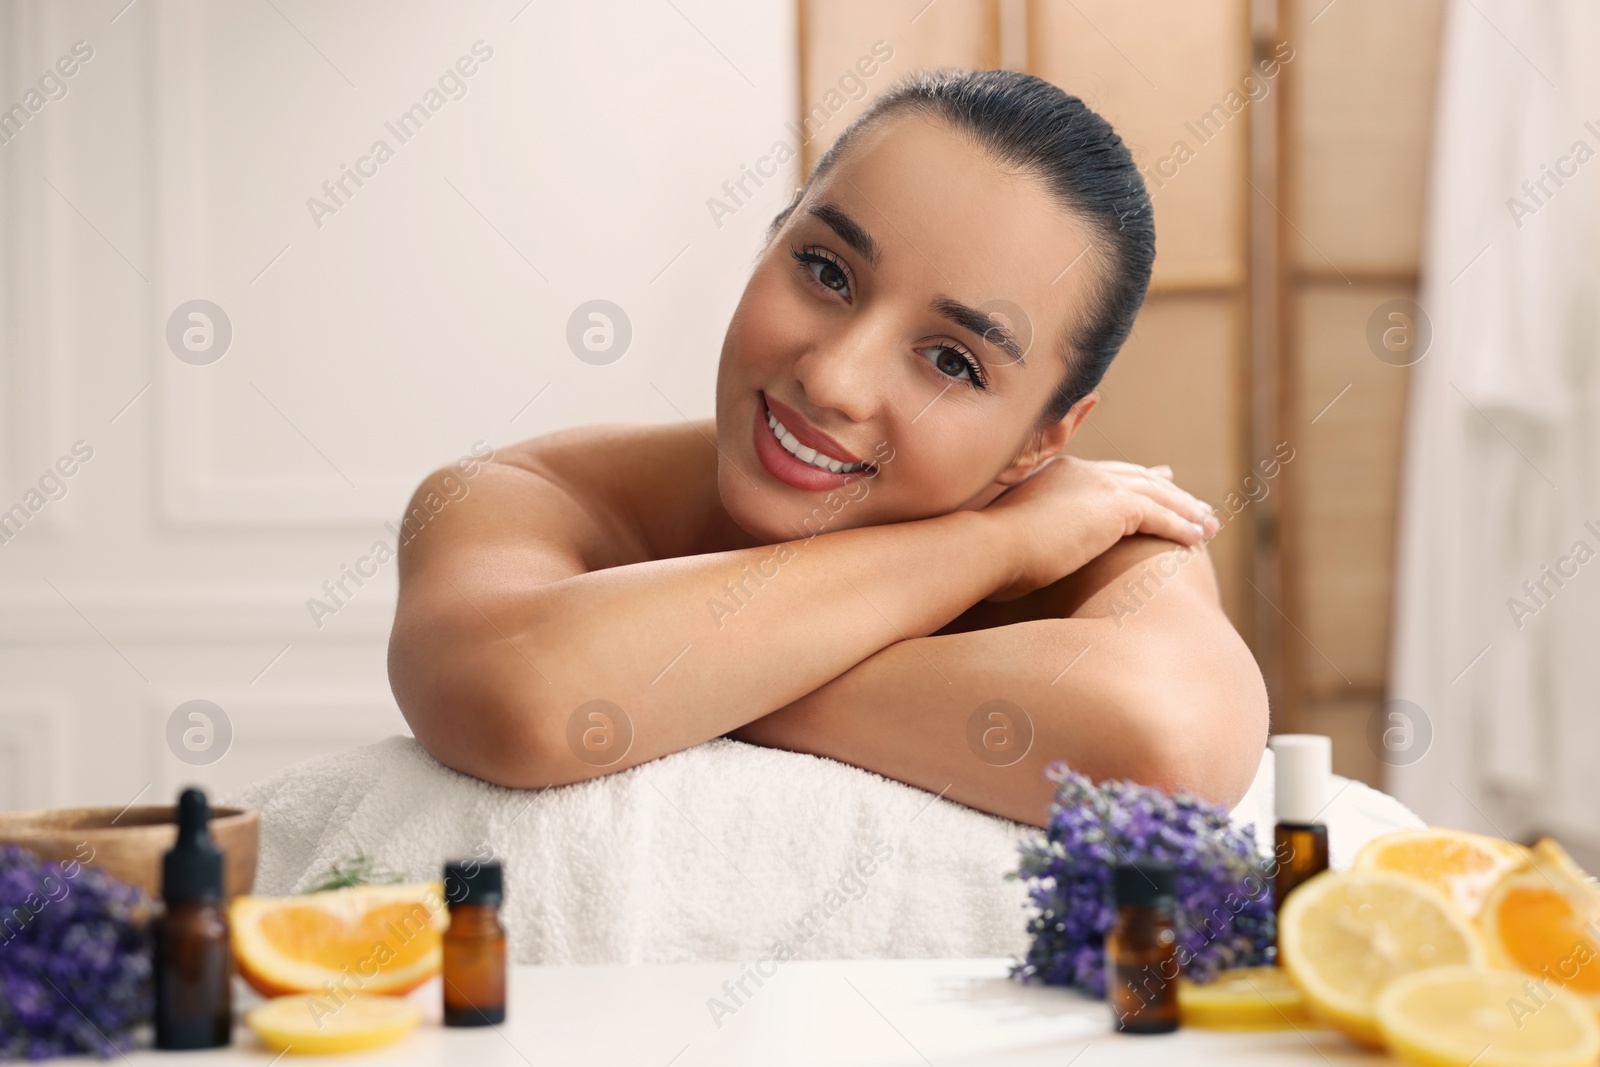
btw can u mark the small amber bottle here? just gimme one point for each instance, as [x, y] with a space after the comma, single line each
[193, 960]
[1303, 765]
[474, 945]
[1142, 950]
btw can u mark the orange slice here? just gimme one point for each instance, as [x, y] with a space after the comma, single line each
[1545, 922]
[364, 939]
[1344, 935]
[1465, 866]
[1548, 851]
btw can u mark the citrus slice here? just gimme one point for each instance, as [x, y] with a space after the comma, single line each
[1244, 998]
[1545, 922]
[1466, 866]
[312, 1023]
[1549, 852]
[1463, 1015]
[370, 939]
[1344, 935]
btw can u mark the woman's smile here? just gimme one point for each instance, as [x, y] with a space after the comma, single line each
[798, 454]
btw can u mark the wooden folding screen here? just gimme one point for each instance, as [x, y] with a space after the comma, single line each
[1284, 145]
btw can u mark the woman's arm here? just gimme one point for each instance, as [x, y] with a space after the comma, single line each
[1145, 679]
[503, 629]
[510, 620]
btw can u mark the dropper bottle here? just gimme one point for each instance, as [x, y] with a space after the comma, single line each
[1303, 765]
[193, 961]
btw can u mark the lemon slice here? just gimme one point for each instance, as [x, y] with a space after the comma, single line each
[1245, 998]
[1344, 935]
[311, 1023]
[1455, 1016]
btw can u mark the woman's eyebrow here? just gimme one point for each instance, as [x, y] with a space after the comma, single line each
[849, 230]
[992, 330]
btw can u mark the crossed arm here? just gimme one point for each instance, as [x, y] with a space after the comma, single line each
[1133, 672]
[512, 617]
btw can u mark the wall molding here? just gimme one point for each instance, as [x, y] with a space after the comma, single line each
[33, 733]
[194, 490]
[37, 252]
[277, 727]
[173, 618]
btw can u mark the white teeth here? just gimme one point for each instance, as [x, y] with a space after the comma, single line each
[799, 451]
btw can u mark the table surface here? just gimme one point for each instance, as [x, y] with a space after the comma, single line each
[845, 1012]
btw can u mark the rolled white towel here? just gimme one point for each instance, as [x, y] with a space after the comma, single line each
[724, 851]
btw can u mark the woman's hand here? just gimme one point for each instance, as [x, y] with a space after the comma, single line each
[1071, 510]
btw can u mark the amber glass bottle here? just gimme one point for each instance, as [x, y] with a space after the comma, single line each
[1300, 851]
[192, 960]
[1303, 765]
[1142, 950]
[474, 945]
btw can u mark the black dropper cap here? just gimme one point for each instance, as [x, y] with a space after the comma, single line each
[192, 869]
[473, 882]
[1143, 884]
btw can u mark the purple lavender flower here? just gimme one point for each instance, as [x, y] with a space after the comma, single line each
[1224, 908]
[75, 959]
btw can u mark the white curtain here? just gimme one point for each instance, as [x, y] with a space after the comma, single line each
[1497, 634]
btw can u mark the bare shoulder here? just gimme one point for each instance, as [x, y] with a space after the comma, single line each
[548, 508]
[595, 455]
[625, 491]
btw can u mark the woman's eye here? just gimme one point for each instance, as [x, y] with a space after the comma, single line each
[831, 276]
[952, 362]
[824, 271]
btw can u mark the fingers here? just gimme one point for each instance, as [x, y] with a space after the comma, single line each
[1187, 506]
[1124, 467]
[1164, 522]
[1159, 471]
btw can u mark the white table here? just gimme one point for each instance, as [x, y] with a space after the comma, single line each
[810, 1013]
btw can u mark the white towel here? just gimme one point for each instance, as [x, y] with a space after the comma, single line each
[720, 852]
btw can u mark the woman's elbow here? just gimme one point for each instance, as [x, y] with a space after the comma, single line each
[469, 728]
[525, 744]
[476, 739]
[1210, 745]
[459, 701]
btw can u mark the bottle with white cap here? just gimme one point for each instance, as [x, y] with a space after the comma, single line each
[1303, 765]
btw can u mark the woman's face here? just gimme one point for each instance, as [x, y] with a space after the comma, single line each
[862, 332]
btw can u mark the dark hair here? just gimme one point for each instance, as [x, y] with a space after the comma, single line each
[1025, 122]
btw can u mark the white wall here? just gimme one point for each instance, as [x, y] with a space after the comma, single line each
[419, 317]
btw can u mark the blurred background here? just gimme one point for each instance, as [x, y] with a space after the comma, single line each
[267, 263]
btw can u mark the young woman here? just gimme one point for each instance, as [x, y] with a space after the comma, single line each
[878, 550]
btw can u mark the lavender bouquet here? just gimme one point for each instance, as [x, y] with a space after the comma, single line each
[75, 959]
[1225, 916]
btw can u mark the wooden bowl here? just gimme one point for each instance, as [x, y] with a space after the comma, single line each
[128, 845]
